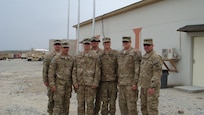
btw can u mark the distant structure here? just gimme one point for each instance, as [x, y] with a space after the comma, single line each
[72, 44]
[43, 50]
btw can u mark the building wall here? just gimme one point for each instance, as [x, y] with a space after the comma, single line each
[73, 47]
[159, 21]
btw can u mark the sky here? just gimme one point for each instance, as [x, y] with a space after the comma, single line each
[26, 24]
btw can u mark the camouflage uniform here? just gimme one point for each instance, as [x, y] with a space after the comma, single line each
[128, 74]
[86, 73]
[108, 87]
[61, 66]
[150, 74]
[46, 64]
[98, 94]
[99, 51]
[97, 105]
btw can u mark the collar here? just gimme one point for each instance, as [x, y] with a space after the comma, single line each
[147, 55]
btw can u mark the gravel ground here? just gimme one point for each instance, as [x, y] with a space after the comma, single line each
[22, 93]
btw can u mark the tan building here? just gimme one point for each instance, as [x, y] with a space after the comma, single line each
[177, 27]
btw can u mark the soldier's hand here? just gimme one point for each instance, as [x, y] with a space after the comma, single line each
[76, 86]
[53, 88]
[93, 86]
[134, 87]
[46, 84]
[151, 91]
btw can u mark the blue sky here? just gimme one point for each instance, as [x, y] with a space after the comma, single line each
[26, 24]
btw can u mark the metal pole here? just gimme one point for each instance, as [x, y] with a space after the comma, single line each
[78, 25]
[68, 19]
[93, 21]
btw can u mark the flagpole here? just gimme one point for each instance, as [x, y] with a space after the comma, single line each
[78, 26]
[68, 19]
[93, 21]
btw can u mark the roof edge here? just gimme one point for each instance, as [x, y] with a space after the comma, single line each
[120, 11]
[192, 28]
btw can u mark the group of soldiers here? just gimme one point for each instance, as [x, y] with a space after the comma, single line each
[97, 76]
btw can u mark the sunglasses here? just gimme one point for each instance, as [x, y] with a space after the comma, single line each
[94, 41]
[147, 44]
[125, 41]
[57, 44]
[86, 43]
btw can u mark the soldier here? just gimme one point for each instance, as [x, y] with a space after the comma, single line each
[60, 80]
[149, 80]
[46, 64]
[108, 88]
[95, 47]
[86, 77]
[128, 74]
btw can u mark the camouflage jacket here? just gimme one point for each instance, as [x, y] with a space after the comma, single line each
[86, 69]
[128, 66]
[109, 65]
[151, 70]
[60, 71]
[99, 51]
[46, 64]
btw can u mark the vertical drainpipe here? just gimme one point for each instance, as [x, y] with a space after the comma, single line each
[180, 41]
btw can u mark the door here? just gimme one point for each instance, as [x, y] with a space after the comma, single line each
[198, 62]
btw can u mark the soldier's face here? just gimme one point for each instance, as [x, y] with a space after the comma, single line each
[148, 47]
[57, 46]
[94, 44]
[65, 50]
[87, 46]
[106, 45]
[126, 44]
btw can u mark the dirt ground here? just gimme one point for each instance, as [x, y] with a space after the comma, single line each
[22, 93]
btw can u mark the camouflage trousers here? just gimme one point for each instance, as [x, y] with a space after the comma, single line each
[97, 103]
[86, 96]
[108, 97]
[62, 100]
[127, 100]
[149, 103]
[50, 104]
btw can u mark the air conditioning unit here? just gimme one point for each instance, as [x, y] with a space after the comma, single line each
[165, 53]
[173, 54]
